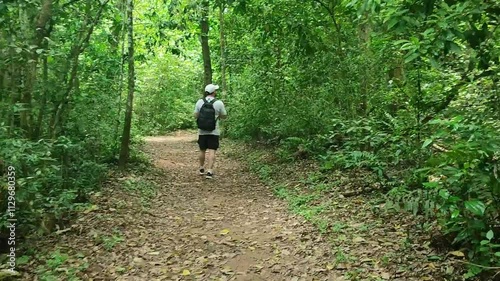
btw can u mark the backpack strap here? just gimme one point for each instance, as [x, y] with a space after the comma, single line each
[211, 102]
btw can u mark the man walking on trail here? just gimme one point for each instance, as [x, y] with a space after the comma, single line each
[207, 112]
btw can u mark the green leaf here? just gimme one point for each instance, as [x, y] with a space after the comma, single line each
[435, 258]
[497, 254]
[433, 184]
[434, 63]
[399, 42]
[476, 207]
[484, 249]
[408, 46]
[489, 235]
[411, 57]
[426, 143]
[455, 48]
[22, 260]
[444, 193]
[392, 23]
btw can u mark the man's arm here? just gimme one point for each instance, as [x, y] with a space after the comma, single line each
[222, 111]
[196, 111]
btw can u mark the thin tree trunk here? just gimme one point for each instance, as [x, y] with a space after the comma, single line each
[222, 49]
[15, 76]
[120, 88]
[125, 149]
[14, 82]
[364, 34]
[27, 74]
[204, 26]
[3, 94]
[43, 104]
[41, 31]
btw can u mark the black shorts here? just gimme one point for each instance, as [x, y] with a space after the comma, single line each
[208, 142]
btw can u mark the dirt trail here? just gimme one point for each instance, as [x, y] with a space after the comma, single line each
[229, 228]
[169, 223]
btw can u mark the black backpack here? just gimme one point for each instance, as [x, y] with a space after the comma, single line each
[206, 118]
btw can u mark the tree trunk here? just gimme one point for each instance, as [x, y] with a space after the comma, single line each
[364, 34]
[14, 83]
[43, 103]
[30, 78]
[222, 50]
[204, 25]
[27, 74]
[125, 149]
[120, 87]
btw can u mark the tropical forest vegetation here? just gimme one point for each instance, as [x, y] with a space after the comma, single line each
[392, 103]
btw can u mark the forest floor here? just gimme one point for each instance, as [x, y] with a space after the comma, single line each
[170, 223]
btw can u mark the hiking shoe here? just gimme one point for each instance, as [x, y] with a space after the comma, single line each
[209, 176]
[202, 171]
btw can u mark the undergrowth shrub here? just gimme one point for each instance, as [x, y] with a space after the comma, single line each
[451, 177]
[459, 186]
[53, 178]
[467, 177]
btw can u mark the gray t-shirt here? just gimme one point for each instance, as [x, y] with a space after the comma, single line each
[219, 110]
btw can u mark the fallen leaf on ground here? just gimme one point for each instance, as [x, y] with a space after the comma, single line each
[358, 240]
[457, 254]
[227, 271]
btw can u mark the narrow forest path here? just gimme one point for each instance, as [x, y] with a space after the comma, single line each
[230, 228]
[172, 224]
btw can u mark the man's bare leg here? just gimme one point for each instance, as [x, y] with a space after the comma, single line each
[201, 157]
[211, 160]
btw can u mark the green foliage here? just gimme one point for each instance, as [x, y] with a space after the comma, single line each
[145, 189]
[302, 204]
[404, 89]
[166, 101]
[408, 92]
[60, 97]
[169, 68]
[110, 242]
[56, 164]
[57, 266]
[468, 183]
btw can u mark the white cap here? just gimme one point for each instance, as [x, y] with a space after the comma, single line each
[210, 88]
